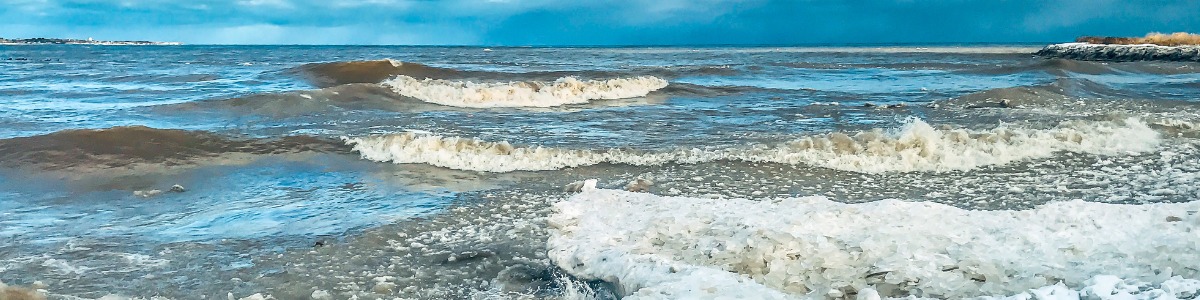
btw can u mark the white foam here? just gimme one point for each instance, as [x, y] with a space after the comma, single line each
[1178, 124]
[1108, 287]
[656, 247]
[916, 146]
[468, 154]
[142, 261]
[566, 90]
[64, 267]
[395, 63]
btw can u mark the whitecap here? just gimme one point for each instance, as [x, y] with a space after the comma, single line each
[916, 146]
[566, 90]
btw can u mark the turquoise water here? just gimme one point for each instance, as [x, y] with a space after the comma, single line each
[219, 119]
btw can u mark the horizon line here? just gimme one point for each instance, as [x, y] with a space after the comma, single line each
[862, 44]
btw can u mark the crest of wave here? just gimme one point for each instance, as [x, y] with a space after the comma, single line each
[468, 154]
[689, 248]
[916, 146]
[566, 90]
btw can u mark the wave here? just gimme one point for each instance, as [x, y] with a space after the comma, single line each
[675, 247]
[348, 96]
[359, 96]
[1178, 124]
[162, 78]
[946, 66]
[478, 89]
[566, 90]
[701, 70]
[916, 146]
[1063, 91]
[696, 90]
[123, 146]
[1020, 96]
[1053, 66]
[1183, 126]
[370, 71]
[1074, 97]
[1062, 67]
[329, 74]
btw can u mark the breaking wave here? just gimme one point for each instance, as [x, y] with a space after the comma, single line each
[121, 146]
[364, 96]
[566, 90]
[370, 71]
[1178, 124]
[655, 247]
[328, 74]
[916, 146]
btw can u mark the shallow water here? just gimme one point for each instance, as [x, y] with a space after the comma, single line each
[308, 169]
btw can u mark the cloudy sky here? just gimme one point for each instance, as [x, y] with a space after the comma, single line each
[592, 22]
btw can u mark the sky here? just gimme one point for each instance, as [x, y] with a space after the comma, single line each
[593, 22]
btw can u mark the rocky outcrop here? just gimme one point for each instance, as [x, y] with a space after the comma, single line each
[1100, 52]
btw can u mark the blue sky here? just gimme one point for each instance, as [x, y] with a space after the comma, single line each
[592, 22]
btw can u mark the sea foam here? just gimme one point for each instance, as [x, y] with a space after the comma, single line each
[566, 90]
[915, 146]
[656, 247]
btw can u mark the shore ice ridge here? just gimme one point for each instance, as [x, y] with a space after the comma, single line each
[655, 247]
[1106, 52]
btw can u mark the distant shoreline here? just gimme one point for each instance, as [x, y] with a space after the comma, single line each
[55, 41]
[1034, 45]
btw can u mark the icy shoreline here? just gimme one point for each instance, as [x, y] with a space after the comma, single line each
[1105, 52]
[655, 247]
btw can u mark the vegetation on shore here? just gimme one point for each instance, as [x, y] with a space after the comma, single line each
[1161, 39]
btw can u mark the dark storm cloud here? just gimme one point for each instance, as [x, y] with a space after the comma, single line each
[540, 22]
[798, 22]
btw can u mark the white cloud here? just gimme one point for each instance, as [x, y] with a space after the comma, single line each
[271, 3]
[29, 6]
[380, 3]
[402, 34]
[700, 10]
